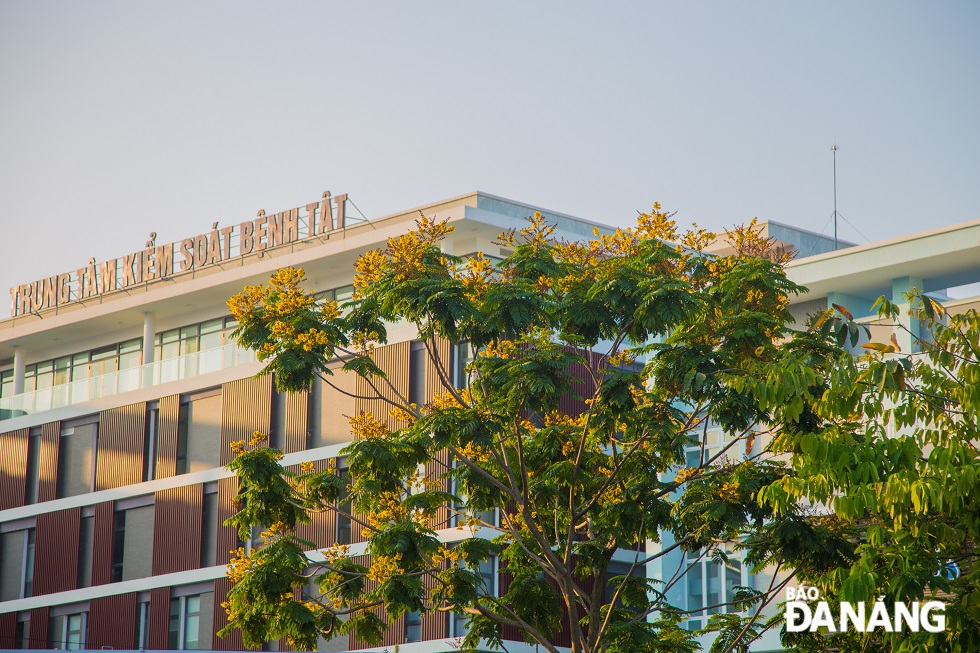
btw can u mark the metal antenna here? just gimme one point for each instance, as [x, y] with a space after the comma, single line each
[834, 149]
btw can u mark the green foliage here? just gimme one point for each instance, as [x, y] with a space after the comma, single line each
[656, 341]
[894, 461]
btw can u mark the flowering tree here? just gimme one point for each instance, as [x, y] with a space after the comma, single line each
[567, 490]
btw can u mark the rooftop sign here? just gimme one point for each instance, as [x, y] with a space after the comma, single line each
[158, 262]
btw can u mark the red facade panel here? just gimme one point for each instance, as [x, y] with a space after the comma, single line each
[38, 630]
[322, 529]
[159, 618]
[177, 529]
[120, 454]
[232, 642]
[102, 543]
[13, 468]
[56, 546]
[8, 630]
[112, 622]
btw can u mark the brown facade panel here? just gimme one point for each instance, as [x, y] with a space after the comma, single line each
[168, 419]
[13, 468]
[47, 489]
[435, 625]
[120, 454]
[177, 529]
[322, 529]
[227, 535]
[296, 414]
[56, 546]
[102, 543]
[159, 618]
[233, 641]
[112, 622]
[8, 630]
[393, 360]
[246, 407]
[395, 633]
[38, 630]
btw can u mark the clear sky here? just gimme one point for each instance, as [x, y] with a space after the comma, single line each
[122, 118]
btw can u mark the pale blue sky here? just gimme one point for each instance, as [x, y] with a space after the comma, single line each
[121, 118]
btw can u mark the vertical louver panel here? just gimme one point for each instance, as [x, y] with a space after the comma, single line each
[393, 360]
[169, 417]
[177, 529]
[38, 630]
[102, 539]
[246, 407]
[322, 529]
[112, 622]
[47, 489]
[159, 618]
[582, 387]
[120, 454]
[395, 634]
[296, 412]
[438, 373]
[56, 544]
[8, 630]
[56, 551]
[227, 535]
[233, 641]
[13, 468]
[435, 625]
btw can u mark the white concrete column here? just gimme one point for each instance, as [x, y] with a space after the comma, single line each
[149, 333]
[20, 362]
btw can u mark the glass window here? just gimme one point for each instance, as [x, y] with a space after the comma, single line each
[183, 425]
[29, 565]
[711, 585]
[142, 625]
[6, 383]
[416, 373]
[413, 627]
[80, 366]
[33, 464]
[150, 442]
[131, 354]
[463, 356]
[118, 546]
[184, 632]
[86, 542]
[209, 529]
[62, 370]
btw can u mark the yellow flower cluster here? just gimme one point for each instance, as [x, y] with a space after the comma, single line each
[475, 453]
[402, 415]
[444, 400]
[384, 567]
[243, 303]
[729, 492]
[370, 268]
[684, 473]
[307, 467]
[476, 277]
[697, 238]
[240, 566]
[336, 552]
[390, 510]
[445, 554]
[364, 426]
[500, 349]
[312, 338]
[241, 446]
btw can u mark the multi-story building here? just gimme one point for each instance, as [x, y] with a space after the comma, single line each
[121, 390]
